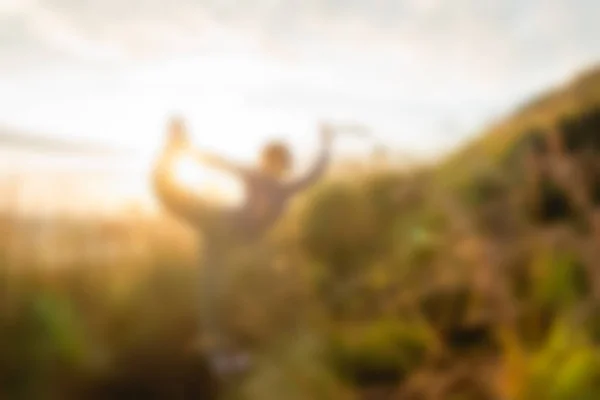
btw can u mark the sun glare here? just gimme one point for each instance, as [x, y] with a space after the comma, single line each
[187, 172]
[207, 182]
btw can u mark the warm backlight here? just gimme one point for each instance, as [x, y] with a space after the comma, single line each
[207, 182]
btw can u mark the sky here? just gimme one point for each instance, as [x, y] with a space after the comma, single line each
[425, 75]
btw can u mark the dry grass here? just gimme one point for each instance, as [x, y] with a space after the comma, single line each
[385, 286]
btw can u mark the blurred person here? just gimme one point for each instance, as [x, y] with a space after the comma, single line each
[267, 194]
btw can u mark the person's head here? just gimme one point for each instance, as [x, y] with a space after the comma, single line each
[276, 159]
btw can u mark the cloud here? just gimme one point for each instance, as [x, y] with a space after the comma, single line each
[393, 60]
[11, 7]
[482, 36]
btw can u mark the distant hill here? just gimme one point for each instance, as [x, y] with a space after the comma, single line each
[567, 101]
[17, 139]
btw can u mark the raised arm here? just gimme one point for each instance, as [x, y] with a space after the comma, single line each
[319, 168]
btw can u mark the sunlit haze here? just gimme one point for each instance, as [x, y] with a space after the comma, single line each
[424, 75]
[300, 199]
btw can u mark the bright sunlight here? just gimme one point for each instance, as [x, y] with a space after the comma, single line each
[212, 184]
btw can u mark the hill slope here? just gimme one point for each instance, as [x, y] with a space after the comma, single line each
[568, 101]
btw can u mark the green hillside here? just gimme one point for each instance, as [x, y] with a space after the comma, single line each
[387, 285]
[568, 101]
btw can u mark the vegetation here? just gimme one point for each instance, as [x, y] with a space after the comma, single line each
[465, 281]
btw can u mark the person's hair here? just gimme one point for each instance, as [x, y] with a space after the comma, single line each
[276, 154]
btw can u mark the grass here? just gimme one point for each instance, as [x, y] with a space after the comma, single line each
[433, 284]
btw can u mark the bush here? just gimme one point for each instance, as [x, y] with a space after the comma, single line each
[382, 352]
[566, 367]
[338, 228]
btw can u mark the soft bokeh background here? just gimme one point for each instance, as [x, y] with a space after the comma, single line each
[440, 259]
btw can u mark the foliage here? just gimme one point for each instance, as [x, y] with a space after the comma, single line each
[431, 279]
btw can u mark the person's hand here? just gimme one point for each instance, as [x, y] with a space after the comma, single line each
[327, 134]
[177, 136]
